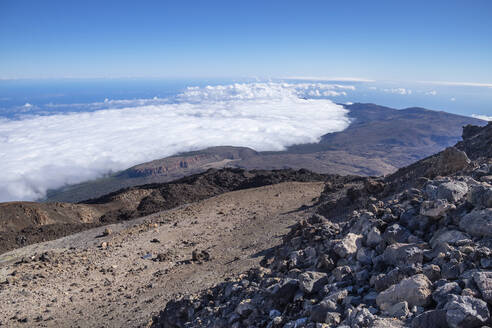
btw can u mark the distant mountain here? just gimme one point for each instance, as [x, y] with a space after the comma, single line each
[379, 141]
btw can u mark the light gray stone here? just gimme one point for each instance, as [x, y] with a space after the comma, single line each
[415, 290]
[436, 209]
[348, 245]
[452, 191]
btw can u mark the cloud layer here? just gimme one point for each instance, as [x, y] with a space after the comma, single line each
[482, 117]
[43, 152]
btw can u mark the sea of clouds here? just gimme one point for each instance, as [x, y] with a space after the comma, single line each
[44, 152]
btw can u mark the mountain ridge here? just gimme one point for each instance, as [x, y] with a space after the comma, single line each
[378, 141]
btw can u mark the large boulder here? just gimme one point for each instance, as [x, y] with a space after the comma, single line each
[478, 223]
[466, 312]
[415, 290]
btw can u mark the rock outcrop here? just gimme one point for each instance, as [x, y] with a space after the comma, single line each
[414, 252]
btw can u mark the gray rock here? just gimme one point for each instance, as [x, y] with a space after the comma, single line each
[336, 296]
[430, 319]
[274, 313]
[415, 290]
[365, 255]
[348, 245]
[324, 312]
[452, 191]
[387, 323]
[466, 312]
[332, 319]
[432, 271]
[478, 223]
[283, 293]
[484, 284]
[395, 233]
[245, 308]
[450, 160]
[436, 209]
[442, 293]
[310, 281]
[340, 273]
[384, 281]
[361, 317]
[450, 237]
[480, 196]
[403, 254]
[399, 310]
[431, 190]
[373, 238]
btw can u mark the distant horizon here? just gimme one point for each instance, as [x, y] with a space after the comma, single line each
[240, 78]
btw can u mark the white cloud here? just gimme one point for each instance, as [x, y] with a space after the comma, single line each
[400, 91]
[452, 99]
[431, 93]
[42, 152]
[482, 117]
[462, 84]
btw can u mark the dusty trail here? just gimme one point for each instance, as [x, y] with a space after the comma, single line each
[146, 261]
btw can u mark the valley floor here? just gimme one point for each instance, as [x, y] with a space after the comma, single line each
[126, 277]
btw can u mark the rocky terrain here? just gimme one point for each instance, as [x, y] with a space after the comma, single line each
[413, 249]
[379, 141]
[286, 248]
[25, 223]
[120, 275]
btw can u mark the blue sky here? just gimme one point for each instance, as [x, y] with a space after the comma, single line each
[383, 40]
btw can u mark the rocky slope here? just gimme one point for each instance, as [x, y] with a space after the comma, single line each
[120, 275]
[25, 223]
[379, 141]
[411, 250]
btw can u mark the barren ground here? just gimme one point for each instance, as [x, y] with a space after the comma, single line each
[147, 261]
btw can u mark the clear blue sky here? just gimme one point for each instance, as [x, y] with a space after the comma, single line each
[395, 40]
